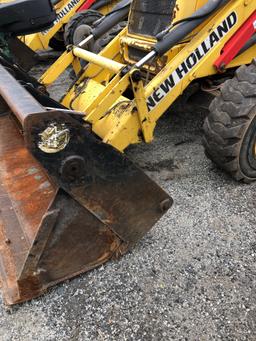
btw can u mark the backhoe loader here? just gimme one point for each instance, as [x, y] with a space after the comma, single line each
[70, 198]
[69, 15]
[67, 20]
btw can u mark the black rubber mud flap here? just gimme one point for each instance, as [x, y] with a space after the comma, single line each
[22, 55]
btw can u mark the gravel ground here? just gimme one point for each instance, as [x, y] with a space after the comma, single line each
[191, 278]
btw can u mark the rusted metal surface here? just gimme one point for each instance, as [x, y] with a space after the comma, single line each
[92, 204]
[17, 98]
[25, 195]
[69, 241]
[45, 235]
[28, 186]
[100, 178]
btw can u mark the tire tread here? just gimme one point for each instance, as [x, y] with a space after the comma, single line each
[229, 119]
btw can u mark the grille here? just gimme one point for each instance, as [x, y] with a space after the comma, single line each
[149, 17]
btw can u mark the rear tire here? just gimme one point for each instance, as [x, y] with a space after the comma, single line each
[230, 129]
[86, 18]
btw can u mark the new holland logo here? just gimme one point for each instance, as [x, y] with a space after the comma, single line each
[64, 11]
[192, 60]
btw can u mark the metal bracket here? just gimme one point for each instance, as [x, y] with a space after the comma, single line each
[146, 122]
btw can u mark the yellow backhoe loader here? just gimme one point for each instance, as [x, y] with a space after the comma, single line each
[69, 20]
[70, 198]
[74, 13]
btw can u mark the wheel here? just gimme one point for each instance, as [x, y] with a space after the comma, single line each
[57, 42]
[102, 42]
[230, 129]
[79, 26]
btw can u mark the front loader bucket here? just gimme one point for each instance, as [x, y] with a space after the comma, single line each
[63, 211]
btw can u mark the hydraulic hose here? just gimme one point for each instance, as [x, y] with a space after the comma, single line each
[119, 13]
[248, 44]
[98, 4]
[185, 27]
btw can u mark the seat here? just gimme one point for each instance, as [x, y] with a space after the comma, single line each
[22, 17]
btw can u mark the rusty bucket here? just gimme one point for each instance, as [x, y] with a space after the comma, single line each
[66, 212]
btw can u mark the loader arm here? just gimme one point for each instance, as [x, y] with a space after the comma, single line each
[121, 121]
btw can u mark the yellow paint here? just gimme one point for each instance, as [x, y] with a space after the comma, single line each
[102, 61]
[115, 104]
[40, 41]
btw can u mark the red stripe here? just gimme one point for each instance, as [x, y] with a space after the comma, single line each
[236, 43]
[86, 5]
